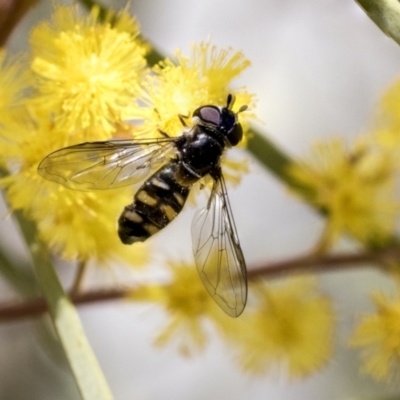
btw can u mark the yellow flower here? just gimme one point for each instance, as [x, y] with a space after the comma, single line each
[356, 188]
[87, 72]
[178, 89]
[292, 328]
[75, 224]
[378, 337]
[188, 306]
[85, 87]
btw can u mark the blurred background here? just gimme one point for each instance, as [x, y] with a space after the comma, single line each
[318, 69]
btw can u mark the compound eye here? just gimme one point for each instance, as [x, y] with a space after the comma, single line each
[208, 114]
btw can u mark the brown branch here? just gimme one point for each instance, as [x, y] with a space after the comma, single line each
[310, 263]
[33, 308]
[11, 12]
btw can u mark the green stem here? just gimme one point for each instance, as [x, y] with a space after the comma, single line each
[85, 368]
[385, 14]
[275, 160]
[80, 273]
[89, 4]
[18, 276]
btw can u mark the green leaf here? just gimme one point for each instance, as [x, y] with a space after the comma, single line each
[385, 14]
[85, 368]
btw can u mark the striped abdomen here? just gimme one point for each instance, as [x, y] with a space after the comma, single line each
[159, 200]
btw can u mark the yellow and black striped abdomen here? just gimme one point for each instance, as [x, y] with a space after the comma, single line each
[158, 201]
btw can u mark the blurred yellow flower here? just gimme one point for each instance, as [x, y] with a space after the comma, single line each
[378, 337]
[388, 122]
[356, 188]
[188, 306]
[291, 327]
[87, 72]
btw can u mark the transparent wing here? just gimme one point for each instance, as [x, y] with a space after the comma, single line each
[105, 165]
[216, 248]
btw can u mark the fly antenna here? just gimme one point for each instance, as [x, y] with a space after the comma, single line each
[242, 108]
[230, 101]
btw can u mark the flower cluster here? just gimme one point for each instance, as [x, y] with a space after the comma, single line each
[188, 83]
[290, 324]
[187, 309]
[292, 327]
[378, 336]
[87, 72]
[176, 88]
[377, 333]
[86, 79]
[355, 188]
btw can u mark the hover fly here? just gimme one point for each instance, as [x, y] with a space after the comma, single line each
[176, 163]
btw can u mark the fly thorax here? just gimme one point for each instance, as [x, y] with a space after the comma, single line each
[201, 153]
